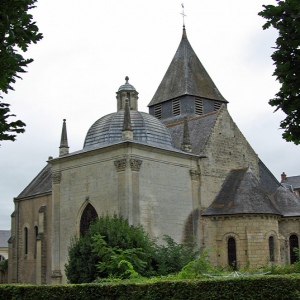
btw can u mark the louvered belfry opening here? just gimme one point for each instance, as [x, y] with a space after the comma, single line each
[232, 253]
[293, 241]
[176, 107]
[198, 106]
[217, 105]
[89, 215]
[157, 111]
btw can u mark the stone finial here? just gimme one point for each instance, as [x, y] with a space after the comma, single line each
[64, 148]
[186, 142]
[283, 176]
[126, 79]
[127, 133]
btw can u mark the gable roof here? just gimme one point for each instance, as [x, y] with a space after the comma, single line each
[267, 180]
[4, 236]
[294, 181]
[241, 193]
[186, 76]
[41, 184]
[199, 130]
[287, 202]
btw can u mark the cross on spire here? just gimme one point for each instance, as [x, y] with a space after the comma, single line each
[183, 15]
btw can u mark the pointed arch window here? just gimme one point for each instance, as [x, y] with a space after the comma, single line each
[293, 241]
[231, 247]
[25, 240]
[89, 215]
[271, 248]
[36, 233]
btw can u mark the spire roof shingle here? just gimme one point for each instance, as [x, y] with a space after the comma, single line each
[186, 76]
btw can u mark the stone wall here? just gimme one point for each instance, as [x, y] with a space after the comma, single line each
[146, 185]
[251, 234]
[30, 267]
[226, 149]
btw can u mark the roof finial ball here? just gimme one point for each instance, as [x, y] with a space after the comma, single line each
[126, 78]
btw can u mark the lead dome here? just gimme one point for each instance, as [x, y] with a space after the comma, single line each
[145, 128]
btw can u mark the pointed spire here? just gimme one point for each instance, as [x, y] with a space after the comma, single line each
[186, 142]
[127, 133]
[64, 148]
[186, 76]
[184, 36]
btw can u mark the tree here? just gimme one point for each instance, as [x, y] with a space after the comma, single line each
[285, 17]
[113, 248]
[17, 31]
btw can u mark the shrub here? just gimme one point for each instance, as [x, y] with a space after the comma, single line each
[92, 256]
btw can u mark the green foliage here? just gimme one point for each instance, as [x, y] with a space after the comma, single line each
[198, 267]
[285, 17]
[172, 257]
[264, 288]
[110, 240]
[3, 265]
[116, 262]
[6, 127]
[17, 31]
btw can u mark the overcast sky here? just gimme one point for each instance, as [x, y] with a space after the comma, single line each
[90, 46]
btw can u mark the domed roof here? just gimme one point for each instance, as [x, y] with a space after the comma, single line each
[146, 129]
[127, 86]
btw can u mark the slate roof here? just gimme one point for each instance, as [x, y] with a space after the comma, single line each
[41, 184]
[186, 76]
[199, 129]
[4, 236]
[294, 181]
[267, 180]
[287, 202]
[241, 193]
[146, 128]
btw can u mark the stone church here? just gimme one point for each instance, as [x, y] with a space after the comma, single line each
[183, 170]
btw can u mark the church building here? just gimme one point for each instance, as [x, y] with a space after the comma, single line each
[183, 170]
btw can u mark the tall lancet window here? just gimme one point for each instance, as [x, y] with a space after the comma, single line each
[293, 244]
[89, 215]
[232, 253]
[271, 248]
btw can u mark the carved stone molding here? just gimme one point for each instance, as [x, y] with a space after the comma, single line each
[56, 273]
[120, 164]
[135, 164]
[195, 175]
[56, 177]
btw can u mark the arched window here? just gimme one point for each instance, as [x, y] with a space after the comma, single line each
[2, 257]
[271, 248]
[25, 240]
[89, 214]
[293, 244]
[36, 232]
[231, 253]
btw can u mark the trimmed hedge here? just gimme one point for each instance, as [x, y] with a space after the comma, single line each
[268, 287]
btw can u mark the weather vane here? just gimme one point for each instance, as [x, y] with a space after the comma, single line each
[183, 15]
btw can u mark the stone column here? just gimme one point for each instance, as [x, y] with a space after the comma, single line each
[135, 165]
[195, 222]
[121, 165]
[55, 238]
[40, 250]
[12, 249]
